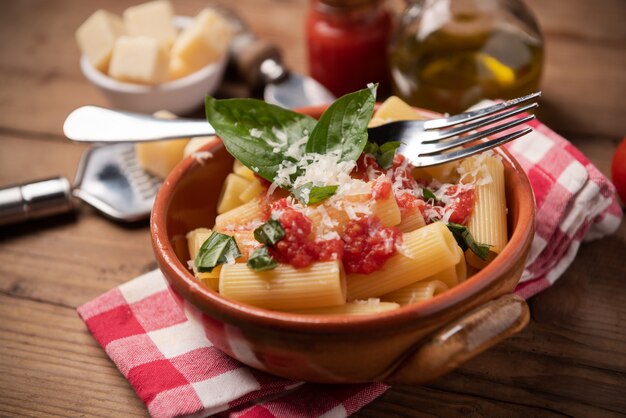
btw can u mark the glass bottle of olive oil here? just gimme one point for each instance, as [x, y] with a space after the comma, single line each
[447, 55]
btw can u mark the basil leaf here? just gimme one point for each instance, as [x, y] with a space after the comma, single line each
[308, 194]
[428, 195]
[217, 249]
[465, 240]
[384, 154]
[258, 134]
[261, 260]
[320, 193]
[343, 126]
[269, 233]
[371, 148]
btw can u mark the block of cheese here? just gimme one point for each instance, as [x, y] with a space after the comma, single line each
[153, 19]
[395, 108]
[203, 42]
[96, 37]
[139, 59]
[160, 157]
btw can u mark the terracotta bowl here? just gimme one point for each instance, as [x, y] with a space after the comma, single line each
[413, 344]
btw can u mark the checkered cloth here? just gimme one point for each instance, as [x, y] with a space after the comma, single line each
[159, 344]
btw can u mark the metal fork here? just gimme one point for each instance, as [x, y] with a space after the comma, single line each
[424, 142]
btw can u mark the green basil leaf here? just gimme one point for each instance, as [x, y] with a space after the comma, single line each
[465, 240]
[217, 249]
[383, 154]
[308, 194]
[428, 195]
[269, 233]
[343, 126]
[321, 193]
[261, 260]
[371, 148]
[258, 134]
[387, 151]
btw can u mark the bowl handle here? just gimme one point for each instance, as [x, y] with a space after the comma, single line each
[462, 339]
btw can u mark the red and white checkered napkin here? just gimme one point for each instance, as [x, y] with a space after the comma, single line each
[157, 341]
[159, 344]
[574, 202]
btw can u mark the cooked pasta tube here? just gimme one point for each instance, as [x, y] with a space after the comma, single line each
[359, 307]
[233, 186]
[416, 292]
[487, 224]
[387, 211]
[412, 221]
[442, 172]
[424, 252]
[195, 239]
[246, 243]
[240, 216]
[454, 275]
[242, 170]
[253, 190]
[285, 287]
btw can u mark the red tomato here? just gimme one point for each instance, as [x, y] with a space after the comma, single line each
[618, 170]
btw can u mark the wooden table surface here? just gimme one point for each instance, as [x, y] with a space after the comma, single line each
[570, 360]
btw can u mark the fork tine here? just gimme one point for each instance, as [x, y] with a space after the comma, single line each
[477, 114]
[466, 152]
[445, 145]
[452, 132]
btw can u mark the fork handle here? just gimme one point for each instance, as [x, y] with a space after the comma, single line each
[98, 124]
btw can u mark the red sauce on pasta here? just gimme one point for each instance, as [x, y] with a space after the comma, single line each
[368, 245]
[297, 247]
[363, 247]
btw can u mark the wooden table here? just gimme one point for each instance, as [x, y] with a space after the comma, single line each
[570, 360]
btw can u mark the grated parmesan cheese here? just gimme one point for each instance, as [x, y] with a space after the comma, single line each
[201, 156]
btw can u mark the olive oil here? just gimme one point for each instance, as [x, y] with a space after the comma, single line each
[453, 67]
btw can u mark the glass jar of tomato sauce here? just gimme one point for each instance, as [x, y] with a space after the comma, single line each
[347, 44]
[447, 55]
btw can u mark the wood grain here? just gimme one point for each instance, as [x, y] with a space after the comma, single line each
[570, 361]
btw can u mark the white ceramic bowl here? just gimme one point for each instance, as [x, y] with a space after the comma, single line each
[178, 96]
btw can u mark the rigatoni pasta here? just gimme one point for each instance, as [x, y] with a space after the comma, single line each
[416, 292]
[425, 251]
[488, 221]
[327, 235]
[319, 285]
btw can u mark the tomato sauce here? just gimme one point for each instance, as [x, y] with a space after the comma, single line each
[367, 245]
[461, 205]
[347, 44]
[364, 246]
[297, 247]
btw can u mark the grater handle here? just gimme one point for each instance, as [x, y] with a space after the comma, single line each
[35, 199]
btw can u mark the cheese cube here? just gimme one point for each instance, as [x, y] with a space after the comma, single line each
[153, 19]
[203, 42]
[139, 59]
[96, 37]
[395, 108]
[160, 157]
